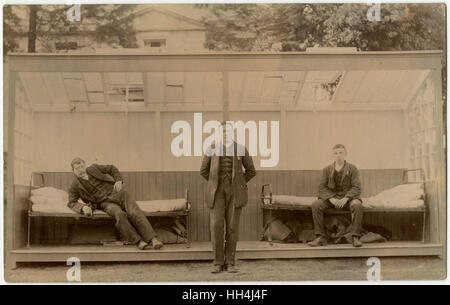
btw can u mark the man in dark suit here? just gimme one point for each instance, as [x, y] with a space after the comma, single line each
[339, 188]
[100, 187]
[226, 194]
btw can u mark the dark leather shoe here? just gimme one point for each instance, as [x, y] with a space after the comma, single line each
[319, 241]
[356, 242]
[142, 245]
[156, 244]
[216, 269]
[232, 269]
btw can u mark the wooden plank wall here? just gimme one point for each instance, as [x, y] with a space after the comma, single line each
[432, 228]
[19, 228]
[166, 185]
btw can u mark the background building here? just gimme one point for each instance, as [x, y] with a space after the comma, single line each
[158, 28]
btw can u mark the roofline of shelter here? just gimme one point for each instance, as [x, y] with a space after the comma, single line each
[225, 61]
[225, 53]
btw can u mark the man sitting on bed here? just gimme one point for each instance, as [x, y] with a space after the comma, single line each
[339, 188]
[100, 186]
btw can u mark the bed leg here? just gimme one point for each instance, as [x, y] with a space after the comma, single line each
[13, 265]
[270, 227]
[424, 219]
[262, 229]
[29, 231]
[188, 242]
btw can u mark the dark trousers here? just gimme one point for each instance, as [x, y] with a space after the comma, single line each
[224, 219]
[320, 206]
[130, 220]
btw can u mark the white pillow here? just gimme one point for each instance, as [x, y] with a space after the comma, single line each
[393, 204]
[48, 201]
[50, 192]
[403, 192]
[400, 196]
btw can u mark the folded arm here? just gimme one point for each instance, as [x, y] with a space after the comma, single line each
[355, 190]
[325, 193]
[73, 204]
[110, 170]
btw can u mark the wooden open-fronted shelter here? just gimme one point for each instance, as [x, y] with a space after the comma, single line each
[385, 106]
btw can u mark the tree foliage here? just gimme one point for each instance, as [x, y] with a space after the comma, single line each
[297, 26]
[10, 29]
[243, 27]
[109, 24]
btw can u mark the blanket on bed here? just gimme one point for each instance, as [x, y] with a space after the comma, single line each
[401, 196]
[53, 200]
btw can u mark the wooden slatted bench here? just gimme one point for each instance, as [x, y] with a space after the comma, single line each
[101, 215]
[267, 203]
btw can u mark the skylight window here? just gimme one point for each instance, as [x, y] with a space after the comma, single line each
[125, 87]
[320, 86]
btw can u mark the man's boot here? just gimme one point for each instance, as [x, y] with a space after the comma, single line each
[319, 241]
[217, 269]
[156, 244]
[142, 245]
[232, 269]
[356, 242]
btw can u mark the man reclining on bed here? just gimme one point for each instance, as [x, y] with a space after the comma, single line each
[100, 186]
[339, 188]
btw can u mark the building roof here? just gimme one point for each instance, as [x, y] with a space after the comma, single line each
[359, 80]
[168, 13]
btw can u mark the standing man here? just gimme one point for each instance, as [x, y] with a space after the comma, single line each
[101, 187]
[226, 194]
[339, 188]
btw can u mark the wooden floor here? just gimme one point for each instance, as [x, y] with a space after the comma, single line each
[203, 251]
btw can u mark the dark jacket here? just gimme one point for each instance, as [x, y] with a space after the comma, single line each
[210, 171]
[106, 173]
[350, 182]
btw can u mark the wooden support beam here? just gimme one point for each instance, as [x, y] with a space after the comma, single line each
[225, 95]
[300, 87]
[134, 107]
[225, 62]
[416, 87]
[442, 183]
[284, 141]
[358, 85]
[8, 219]
[241, 92]
[25, 87]
[159, 140]
[47, 88]
[145, 84]
[83, 80]
[269, 107]
[66, 92]
[105, 89]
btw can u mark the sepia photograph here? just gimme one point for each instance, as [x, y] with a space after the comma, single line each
[224, 143]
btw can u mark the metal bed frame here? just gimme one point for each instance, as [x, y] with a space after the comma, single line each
[32, 214]
[271, 206]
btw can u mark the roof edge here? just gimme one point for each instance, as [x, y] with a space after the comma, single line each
[138, 52]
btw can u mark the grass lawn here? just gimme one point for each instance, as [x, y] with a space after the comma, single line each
[329, 269]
